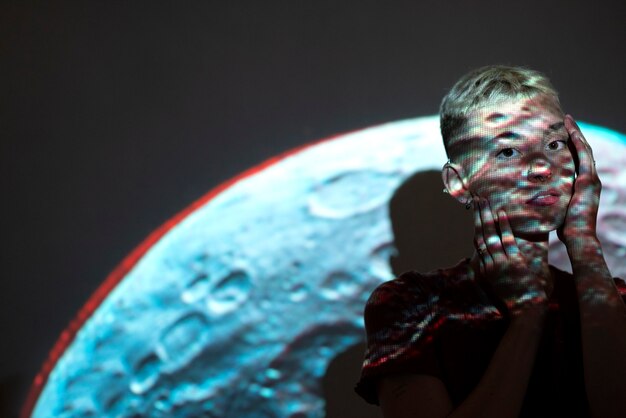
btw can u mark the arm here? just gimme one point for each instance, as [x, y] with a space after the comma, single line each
[603, 331]
[499, 394]
[602, 311]
[501, 391]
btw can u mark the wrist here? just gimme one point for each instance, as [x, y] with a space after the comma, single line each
[584, 248]
[587, 260]
[530, 316]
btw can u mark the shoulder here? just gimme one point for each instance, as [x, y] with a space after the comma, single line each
[402, 318]
[410, 287]
[413, 295]
[421, 283]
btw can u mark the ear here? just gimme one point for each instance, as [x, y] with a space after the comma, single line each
[453, 178]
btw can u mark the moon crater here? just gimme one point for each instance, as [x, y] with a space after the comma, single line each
[239, 308]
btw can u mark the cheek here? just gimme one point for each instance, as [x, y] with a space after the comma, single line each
[499, 190]
[565, 176]
[496, 183]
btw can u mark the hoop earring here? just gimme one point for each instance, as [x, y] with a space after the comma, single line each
[468, 204]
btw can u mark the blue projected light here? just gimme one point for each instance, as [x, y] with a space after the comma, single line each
[239, 307]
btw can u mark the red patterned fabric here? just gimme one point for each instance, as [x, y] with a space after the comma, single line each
[443, 324]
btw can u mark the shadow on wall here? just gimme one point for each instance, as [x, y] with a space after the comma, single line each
[431, 230]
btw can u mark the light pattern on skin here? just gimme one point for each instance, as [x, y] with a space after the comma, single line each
[513, 150]
[268, 345]
[527, 170]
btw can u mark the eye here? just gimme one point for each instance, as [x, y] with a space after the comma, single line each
[508, 153]
[557, 145]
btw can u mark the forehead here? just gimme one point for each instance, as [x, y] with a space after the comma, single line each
[514, 117]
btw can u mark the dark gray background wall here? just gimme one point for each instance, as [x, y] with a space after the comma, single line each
[116, 115]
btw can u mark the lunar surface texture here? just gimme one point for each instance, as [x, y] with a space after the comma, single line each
[237, 310]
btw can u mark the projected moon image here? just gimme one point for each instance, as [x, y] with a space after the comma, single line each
[239, 308]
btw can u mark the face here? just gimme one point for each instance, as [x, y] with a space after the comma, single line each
[515, 153]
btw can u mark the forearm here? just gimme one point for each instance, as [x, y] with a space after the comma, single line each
[603, 330]
[502, 388]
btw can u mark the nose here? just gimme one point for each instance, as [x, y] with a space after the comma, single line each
[539, 171]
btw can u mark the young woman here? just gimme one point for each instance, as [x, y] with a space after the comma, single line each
[503, 333]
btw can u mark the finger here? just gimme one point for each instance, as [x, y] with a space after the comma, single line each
[508, 239]
[479, 237]
[492, 238]
[479, 241]
[490, 234]
[586, 163]
[576, 128]
[577, 140]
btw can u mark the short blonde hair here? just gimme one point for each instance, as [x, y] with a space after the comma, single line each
[488, 84]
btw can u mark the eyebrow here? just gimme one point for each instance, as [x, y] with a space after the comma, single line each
[505, 135]
[554, 127]
[512, 135]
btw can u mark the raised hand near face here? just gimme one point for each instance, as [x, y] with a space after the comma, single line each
[503, 267]
[580, 221]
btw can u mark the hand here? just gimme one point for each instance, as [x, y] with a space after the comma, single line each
[504, 268]
[582, 212]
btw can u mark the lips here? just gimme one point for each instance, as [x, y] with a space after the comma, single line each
[545, 198]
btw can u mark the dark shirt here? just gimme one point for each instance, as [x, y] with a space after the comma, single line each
[443, 324]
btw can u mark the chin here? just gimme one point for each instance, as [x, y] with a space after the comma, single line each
[529, 224]
[530, 227]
